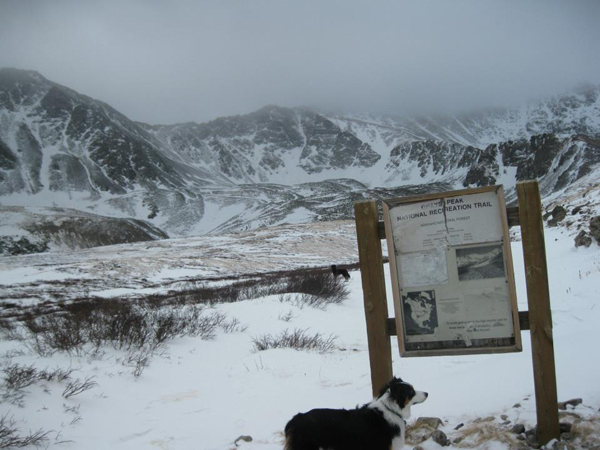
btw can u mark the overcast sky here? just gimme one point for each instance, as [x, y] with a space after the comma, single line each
[174, 61]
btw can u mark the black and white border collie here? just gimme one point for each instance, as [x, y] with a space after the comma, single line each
[343, 272]
[378, 425]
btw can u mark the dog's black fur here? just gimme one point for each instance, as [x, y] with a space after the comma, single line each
[378, 425]
[343, 272]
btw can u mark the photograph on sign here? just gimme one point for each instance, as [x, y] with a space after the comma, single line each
[478, 263]
[452, 273]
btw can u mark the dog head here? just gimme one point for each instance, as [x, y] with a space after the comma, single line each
[401, 395]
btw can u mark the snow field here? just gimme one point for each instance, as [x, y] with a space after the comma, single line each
[205, 394]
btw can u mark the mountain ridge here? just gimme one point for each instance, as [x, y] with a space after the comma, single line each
[274, 165]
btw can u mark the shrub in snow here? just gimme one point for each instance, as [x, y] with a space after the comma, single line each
[318, 288]
[76, 387]
[120, 324]
[10, 436]
[17, 377]
[297, 339]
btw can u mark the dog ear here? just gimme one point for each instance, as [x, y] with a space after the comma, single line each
[395, 380]
[389, 385]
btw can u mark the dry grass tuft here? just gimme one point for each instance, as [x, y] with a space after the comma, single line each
[586, 431]
[475, 435]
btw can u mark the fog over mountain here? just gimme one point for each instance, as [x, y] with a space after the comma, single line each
[171, 62]
[62, 149]
[215, 116]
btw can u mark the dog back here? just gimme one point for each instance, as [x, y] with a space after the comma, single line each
[339, 429]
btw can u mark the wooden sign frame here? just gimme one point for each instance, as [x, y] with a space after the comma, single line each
[380, 328]
[442, 231]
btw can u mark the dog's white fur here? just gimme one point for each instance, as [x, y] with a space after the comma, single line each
[394, 414]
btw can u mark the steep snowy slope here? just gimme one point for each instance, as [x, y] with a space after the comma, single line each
[275, 165]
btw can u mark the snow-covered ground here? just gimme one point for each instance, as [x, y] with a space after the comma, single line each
[156, 266]
[204, 394]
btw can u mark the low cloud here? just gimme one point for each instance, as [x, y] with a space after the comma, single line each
[167, 62]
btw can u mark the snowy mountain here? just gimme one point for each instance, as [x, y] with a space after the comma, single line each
[276, 165]
[268, 146]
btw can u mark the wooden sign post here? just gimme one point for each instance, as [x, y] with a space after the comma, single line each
[373, 282]
[538, 319]
[540, 314]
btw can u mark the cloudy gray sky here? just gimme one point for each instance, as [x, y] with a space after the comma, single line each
[165, 61]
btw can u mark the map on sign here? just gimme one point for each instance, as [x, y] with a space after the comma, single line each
[448, 256]
[420, 312]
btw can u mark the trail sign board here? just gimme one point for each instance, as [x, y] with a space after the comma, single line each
[471, 271]
[452, 273]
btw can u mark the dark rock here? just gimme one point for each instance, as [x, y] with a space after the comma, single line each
[531, 436]
[545, 148]
[582, 239]
[566, 436]
[485, 170]
[518, 153]
[504, 417]
[242, 438]
[440, 437]
[576, 210]
[327, 146]
[558, 214]
[535, 157]
[432, 422]
[8, 160]
[595, 228]
[565, 427]
[518, 428]
[459, 426]
[437, 156]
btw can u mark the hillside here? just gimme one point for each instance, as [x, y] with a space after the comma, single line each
[276, 165]
[172, 397]
[26, 230]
